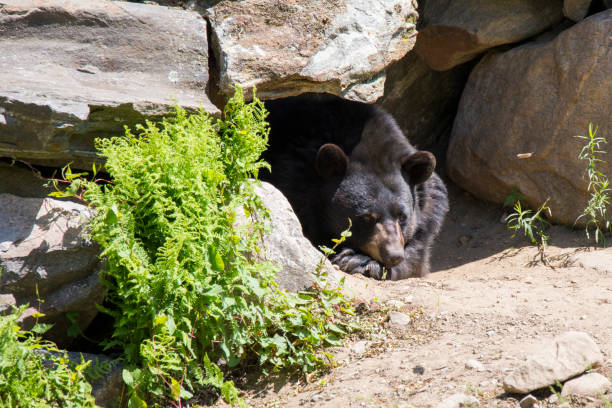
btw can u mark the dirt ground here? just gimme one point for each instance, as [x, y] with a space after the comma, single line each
[490, 298]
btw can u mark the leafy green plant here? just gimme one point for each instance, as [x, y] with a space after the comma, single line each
[183, 280]
[596, 211]
[532, 224]
[34, 373]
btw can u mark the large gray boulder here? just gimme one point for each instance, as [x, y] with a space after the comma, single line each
[73, 70]
[535, 99]
[290, 47]
[46, 261]
[456, 31]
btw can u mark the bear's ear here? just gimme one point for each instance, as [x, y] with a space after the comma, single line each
[331, 161]
[418, 166]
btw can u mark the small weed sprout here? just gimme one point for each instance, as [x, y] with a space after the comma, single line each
[596, 211]
[532, 224]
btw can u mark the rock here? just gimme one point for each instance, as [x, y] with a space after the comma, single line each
[591, 384]
[569, 354]
[395, 303]
[459, 400]
[398, 319]
[474, 365]
[576, 10]
[360, 347]
[43, 255]
[423, 101]
[528, 401]
[287, 47]
[20, 181]
[554, 89]
[286, 245]
[74, 70]
[453, 32]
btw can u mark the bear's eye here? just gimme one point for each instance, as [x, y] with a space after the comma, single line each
[370, 218]
[402, 218]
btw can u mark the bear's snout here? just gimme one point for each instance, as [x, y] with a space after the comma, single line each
[386, 244]
[394, 258]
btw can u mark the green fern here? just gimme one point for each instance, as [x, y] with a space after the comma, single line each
[34, 373]
[181, 280]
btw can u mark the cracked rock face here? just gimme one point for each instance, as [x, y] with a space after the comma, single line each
[535, 99]
[285, 47]
[73, 70]
[43, 255]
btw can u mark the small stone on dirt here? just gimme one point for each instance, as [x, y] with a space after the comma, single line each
[408, 299]
[528, 401]
[457, 401]
[464, 239]
[474, 365]
[589, 384]
[418, 370]
[398, 318]
[360, 347]
[395, 303]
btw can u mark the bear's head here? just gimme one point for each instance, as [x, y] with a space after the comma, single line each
[380, 200]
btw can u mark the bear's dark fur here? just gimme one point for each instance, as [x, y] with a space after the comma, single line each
[336, 159]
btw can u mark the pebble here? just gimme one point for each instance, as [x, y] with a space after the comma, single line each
[398, 318]
[360, 347]
[408, 299]
[315, 397]
[458, 400]
[528, 401]
[474, 365]
[418, 370]
[395, 303]
[485, 383]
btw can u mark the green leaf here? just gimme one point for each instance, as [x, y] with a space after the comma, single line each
[175, 389]
[128, 379]
[136, 402]
[216, 259]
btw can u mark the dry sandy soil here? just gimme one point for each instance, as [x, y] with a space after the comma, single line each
[490, 298]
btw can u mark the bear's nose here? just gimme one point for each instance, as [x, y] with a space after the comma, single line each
[393, 259]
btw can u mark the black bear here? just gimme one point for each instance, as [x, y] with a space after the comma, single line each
[337, 160]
